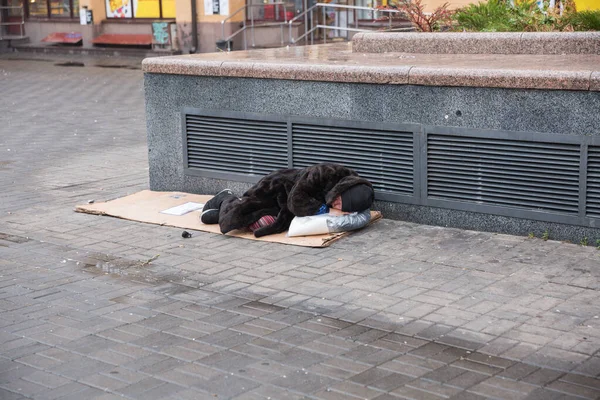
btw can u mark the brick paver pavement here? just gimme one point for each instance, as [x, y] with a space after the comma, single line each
[398, 311]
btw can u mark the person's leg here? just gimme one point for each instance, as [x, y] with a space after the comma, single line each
[210, 211]
[282, 221]
[238, 213]
[215, 202]
[263, 221]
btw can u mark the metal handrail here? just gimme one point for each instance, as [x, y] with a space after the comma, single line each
[325, 6]
[22, 23]
[245, 27]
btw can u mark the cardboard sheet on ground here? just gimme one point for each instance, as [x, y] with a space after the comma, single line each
[161, 208]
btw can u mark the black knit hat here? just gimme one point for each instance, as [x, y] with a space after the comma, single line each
[357, 198]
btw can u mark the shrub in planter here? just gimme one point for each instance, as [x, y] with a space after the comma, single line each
[582, 21]
[490, 16]
[414, 10]
[501, 16]
[524, 16]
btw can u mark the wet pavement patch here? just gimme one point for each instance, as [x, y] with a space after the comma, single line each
[13, 238]
[172, 289]
[70, 64]
[111, 266]
[132, 270]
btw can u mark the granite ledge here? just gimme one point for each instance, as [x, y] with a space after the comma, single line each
[548, 43]
[318, 72]
[507, 79]
[337, 63]
[595, 81]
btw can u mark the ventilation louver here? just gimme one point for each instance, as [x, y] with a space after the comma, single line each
[532, 175]
[384, 157]
[593, 183]
[233, 145]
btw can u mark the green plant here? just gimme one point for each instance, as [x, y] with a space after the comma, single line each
[426, 22]
[531, 235]
[545, 235]
[523, 16]
[501, 16]
[598, 244]
[584, 241]
[487, 16]
[582, 21]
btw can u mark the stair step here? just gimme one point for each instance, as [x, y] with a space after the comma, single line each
[107, 51]
[14, 39]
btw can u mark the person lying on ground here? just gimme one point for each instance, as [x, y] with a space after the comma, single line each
[286, 193]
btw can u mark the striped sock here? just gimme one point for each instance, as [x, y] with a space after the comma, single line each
[263, 221]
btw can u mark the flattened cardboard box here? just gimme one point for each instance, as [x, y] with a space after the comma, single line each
[148, 206]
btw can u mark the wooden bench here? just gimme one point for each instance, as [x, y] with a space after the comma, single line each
[123, 39]
[64, 37]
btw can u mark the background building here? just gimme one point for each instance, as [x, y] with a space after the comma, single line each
[168, 24]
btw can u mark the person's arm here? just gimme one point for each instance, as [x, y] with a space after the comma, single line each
[336, 211]
[304, 198]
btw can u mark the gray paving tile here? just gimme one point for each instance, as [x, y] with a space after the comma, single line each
[7, 395]
[226, 386]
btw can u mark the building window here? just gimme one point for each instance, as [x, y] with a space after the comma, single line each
[140, 9]
[263, 10]
[38, 8]
[53, 8]
[118, 9]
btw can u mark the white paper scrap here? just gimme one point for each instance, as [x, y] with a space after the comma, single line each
[183, 208]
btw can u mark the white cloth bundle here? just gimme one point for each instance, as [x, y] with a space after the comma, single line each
[328, 223]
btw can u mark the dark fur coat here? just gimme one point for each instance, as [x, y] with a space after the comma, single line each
[267, 197]
[286, 193]
[321, 184]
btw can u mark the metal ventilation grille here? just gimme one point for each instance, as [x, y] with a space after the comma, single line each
[235, 145]
[532, 175]
[383, 157]
[593, 183]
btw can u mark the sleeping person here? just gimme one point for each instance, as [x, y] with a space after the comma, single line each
[269, 206]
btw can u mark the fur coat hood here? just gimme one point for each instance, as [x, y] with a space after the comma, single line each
[321, 184]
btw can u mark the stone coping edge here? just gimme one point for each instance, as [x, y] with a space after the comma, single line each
[395, 75]
[538, 43]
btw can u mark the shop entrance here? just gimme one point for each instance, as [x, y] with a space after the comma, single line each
[12, 18]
